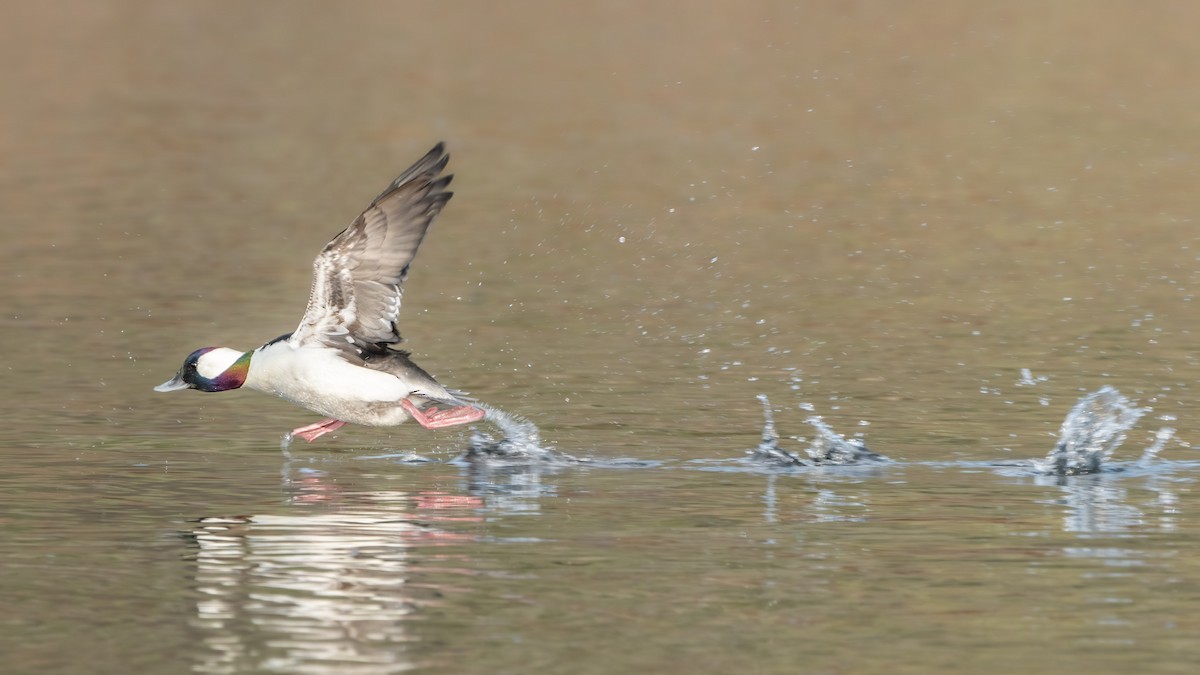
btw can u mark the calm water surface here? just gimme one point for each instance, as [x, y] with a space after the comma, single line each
[876, 213]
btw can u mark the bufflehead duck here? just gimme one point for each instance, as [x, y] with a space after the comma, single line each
[340, 361]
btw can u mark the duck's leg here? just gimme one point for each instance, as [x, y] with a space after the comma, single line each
[314, 431]
[438, 418]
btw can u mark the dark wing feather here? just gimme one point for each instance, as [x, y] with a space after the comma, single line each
[358, 277]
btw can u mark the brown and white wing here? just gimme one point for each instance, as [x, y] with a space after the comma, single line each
[358, 278]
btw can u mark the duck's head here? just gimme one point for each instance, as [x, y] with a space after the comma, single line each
[210, 369]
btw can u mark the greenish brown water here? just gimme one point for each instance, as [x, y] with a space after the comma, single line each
[882, 210]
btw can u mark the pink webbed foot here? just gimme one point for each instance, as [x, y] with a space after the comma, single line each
[437, 418]
[314, 431]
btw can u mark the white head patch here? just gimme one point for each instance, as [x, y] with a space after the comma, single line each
[213, 363]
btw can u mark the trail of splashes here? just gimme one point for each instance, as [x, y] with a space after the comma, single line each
[1093, 429]
[827, 447]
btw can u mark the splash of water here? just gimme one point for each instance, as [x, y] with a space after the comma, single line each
[768, 449]
[830, 447]
[770, 436]
[1093, 429]
[520, 440]
[1161, 438]
[1027, 379]
[827, 447]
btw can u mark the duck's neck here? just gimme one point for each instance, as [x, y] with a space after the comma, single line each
[236, 374]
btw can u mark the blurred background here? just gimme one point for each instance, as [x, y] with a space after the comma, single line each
[878, 212]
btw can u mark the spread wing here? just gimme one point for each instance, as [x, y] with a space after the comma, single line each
[358, 277]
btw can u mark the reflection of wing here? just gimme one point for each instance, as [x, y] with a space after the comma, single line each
[357, 278]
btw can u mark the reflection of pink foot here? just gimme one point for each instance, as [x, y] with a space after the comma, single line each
[437, 418]
[312, 432]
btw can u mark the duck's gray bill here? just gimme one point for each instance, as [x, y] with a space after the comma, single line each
[174, 384]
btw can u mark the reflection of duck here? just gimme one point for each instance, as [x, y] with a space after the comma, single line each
[327, 583]
[323, 588]
[340, 362]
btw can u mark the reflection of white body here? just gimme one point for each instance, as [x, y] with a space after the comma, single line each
[305, 593]
[340, 360]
